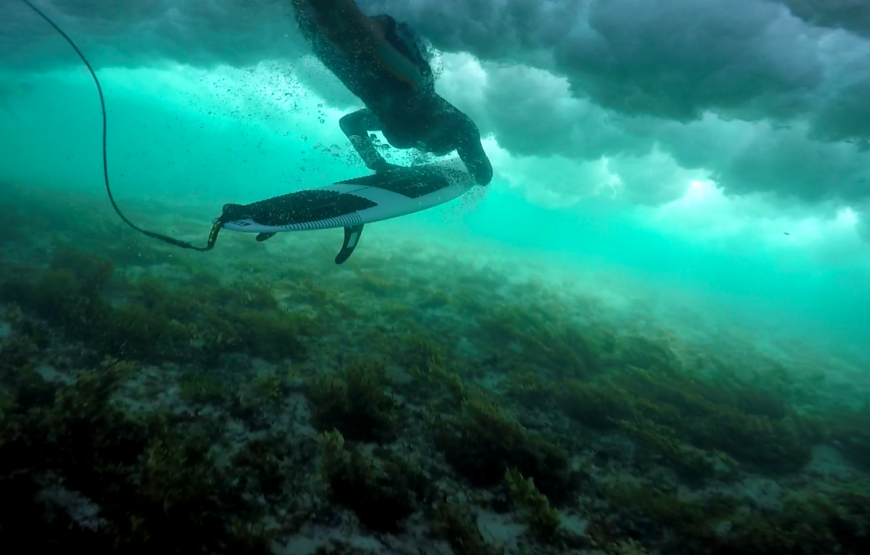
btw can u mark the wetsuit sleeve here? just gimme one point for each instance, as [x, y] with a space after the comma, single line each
[357, 126]
[471, 152]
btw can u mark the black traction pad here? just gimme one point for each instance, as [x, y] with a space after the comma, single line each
[297, 208]
[408, 182]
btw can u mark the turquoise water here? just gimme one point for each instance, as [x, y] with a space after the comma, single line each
[656, 311]
[184, 135]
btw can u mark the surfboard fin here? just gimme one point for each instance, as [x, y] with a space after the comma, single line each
[263, 236]
[351, 238]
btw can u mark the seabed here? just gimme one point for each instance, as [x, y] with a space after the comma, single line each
[416, 400]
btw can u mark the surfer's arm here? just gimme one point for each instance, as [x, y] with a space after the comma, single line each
[343, 24]
[360, 37]
[475, 159]
[357, 126]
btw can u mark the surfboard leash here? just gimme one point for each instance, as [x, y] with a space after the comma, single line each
[212, 237]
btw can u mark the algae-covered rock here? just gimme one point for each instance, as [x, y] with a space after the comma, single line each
[482, 442]
[380, 489]
[355, 402]
[543, 521]
[156, 321]
[457, 525]
[695, 413]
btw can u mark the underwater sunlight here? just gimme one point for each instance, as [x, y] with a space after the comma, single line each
[565, 277]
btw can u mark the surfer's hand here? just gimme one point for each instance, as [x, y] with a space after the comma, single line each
[384, 166]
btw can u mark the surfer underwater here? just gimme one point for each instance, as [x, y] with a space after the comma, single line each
[391, 76]
[383, 63]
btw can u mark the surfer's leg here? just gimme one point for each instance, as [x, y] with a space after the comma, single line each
[357, 126]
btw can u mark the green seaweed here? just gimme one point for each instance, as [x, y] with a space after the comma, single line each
[693, 520]
[269, 387]
[543, 521]
[809, 523]
[664, 445]
[851, 523]
[481, 443]
[263, 465]
[456, 524]
[161, 485]
[203, 389]
[186, 322]
[377, 488]
[548, 341]
[802, 527]
[438, 377]
[599, 405]
[157, 489]
[850, 431]
[695, 412]
[354, 402]
[529, 389]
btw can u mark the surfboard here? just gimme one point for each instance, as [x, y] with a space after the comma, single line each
[352, 203]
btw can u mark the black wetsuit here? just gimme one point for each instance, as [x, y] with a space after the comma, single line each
[408, 118]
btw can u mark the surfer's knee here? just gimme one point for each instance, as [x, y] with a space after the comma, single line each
[349, 123]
